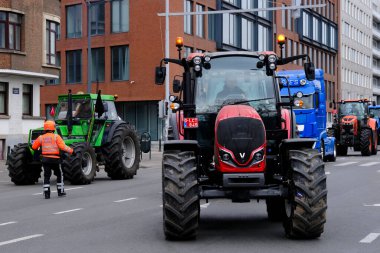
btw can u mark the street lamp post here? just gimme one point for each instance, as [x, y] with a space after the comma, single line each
[89, 56]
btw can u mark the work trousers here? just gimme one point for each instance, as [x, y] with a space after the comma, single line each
[48, 168]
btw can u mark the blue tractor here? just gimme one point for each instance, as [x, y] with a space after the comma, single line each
[310, 108]
[374, 112]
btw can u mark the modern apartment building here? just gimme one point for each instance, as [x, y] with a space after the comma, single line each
[356, 49]
[27, 58]
[375, 6]
[313, 32]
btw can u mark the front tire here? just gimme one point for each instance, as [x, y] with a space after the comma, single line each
[21, 171]
[81, 168]
[122, 153]
[180, 198]
[307, 200]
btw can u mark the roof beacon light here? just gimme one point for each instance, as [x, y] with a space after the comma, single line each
[179, 42]
[281, 39]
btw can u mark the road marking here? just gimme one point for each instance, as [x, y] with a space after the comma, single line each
[20, 239]
[66, 189]
[372, 205]
[327, 172]
[370, 238]
[123, 200]
[344, 164]
[205, 205]
[8, 223]
[369, 164]
[69, 211]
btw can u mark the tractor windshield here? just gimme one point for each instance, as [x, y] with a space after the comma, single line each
[81, 108]
[110, 112]
[233, 79]
[375, 112]
[352, 108]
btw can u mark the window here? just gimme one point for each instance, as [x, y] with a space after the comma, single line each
[263, 39]
[74, 21]
[10, 30]
[211, 26]
[230, 29]
[305, 29]
[56, 81]
[27, 99]
[246, 34]
[315, 29]
[332, 37]
[188, 19]
[200, 21]
[247, 4]
[120, 63]
[97, 18]
[73, 66]
[324, 33]
[3, 98]
[51, 37]
[97, 57]
[120, 16]
[263, 4]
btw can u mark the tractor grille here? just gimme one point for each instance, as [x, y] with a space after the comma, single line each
[241, 136]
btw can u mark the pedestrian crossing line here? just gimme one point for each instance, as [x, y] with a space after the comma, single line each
[369, 164]
[327, 172]
[375, 205]
[66, 189]
[344, 164]
[370, 238]
[205, 205]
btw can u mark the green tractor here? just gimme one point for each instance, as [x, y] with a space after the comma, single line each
[90, 125]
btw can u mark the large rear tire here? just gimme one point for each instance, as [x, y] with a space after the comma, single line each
[306, 204]
[366, 144]
[181, 208]
[20, 170]
[122, 154]
[81, 168]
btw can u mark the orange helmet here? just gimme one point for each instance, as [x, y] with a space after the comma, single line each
[49, 125]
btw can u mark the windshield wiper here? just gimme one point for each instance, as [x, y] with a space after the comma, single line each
[247, 101]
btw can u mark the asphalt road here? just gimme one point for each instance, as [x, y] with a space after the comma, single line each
[126, 216]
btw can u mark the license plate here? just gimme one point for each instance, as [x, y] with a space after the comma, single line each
[190, 123]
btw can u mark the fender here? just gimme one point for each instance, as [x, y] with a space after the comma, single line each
[183, 145]
[108, 132]
[372, 124]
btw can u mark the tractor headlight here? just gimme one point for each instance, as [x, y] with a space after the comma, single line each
[302, 82]
[197, 68]
[207, 58]
[225, 157]
[258, 156]
[272, 58]
[174, 106]
[272, 66]
[197, 60]
[298, 103]
[299, 94]
[261, 57]
[172, 98]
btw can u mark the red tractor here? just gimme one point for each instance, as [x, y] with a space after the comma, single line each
[231, 138]
[353, 127]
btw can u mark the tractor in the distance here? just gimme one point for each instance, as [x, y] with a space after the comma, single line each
[233, 139]
[353, 127]
[90, 125]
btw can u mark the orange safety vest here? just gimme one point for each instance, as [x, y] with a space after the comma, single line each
[51, 144]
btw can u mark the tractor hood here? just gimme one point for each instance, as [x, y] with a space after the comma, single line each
[240, 134]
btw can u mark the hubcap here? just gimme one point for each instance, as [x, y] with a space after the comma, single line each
[128, 152]
[86, 163]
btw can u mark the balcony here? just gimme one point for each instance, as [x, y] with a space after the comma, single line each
[376, 15]
[376, 71]
[376, 52]
[376, 33]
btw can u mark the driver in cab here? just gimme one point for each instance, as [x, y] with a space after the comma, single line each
[230, 89]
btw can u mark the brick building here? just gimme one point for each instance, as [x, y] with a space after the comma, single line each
[27, 54]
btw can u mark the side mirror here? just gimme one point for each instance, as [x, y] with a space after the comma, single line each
[176, 86]
[309, 71]
[160, 75]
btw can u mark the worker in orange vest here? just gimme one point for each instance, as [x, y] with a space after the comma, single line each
[51, 144]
